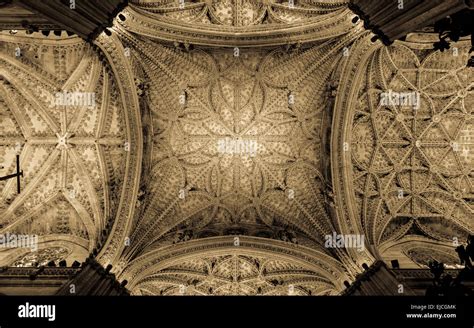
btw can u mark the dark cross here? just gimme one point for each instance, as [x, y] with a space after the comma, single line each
[18, 174]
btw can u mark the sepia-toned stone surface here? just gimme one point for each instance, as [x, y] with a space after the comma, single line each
[228, 140]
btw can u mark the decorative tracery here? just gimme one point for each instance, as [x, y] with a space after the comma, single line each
[199, 100]
[239, 13]
[218, 266]
[72, 152]
[234, 100]
[233, 23]
[412, 163]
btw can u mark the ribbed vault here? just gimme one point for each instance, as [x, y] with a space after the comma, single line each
[73, 157]
[410, 176]
[229, 139]
[235, 266]
[196, 98]
[232, 23]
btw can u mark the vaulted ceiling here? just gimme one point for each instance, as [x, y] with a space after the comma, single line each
[142, 177]
[412, 167]
[72, 157]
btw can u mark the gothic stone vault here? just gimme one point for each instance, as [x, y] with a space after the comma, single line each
[227, 139]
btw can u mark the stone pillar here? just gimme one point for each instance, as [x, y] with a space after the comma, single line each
[93, 279]
[394, 19]
[378, 280]
[44, 281]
